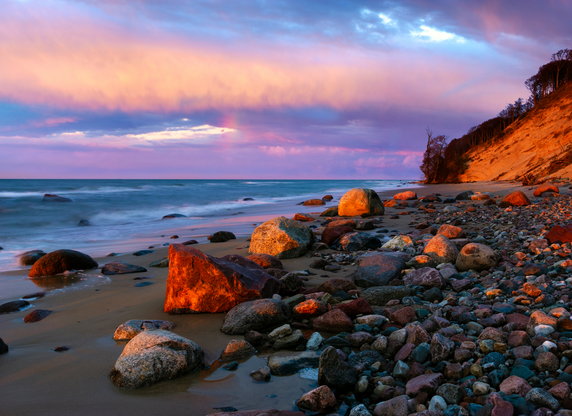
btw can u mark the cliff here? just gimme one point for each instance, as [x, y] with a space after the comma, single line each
[538, 146]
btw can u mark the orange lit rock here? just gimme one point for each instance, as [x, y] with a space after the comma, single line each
[360, 201]
[281, 237]
[309, 307]
[547, 187]
[531, 290]
[302, 217]
[516, 198]
[331, 234]
[313, 202]
[558, 234]
[405, 195]
[450, 231]
[198, 282]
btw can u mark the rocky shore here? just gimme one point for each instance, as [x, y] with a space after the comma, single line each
[441, 301]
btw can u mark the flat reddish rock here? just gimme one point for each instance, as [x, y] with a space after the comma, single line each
[450, 231]
[198, 282]
[559, 234]
[516, 198]
[547, 187]
[335, 320]
[313, 202]
[423, 383]
[336, 285]
[309, 307]
[355, 307]
[406, 195]
[302, 217]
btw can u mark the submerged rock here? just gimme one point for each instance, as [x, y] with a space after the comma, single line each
[59, 261]
[30, 257]
[114, 268]
[221, 237]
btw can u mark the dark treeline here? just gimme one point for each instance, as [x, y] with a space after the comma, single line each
[446, 164]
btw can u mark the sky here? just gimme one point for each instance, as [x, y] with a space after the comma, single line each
[257, 89]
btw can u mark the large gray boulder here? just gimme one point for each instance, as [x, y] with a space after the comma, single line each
[281, 237]
[152, 356]
[360, 201]
[255, 315]
[475, 256]
[377, 269]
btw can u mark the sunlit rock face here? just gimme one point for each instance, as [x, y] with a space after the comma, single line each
[516, 198]
[198, 282]
[360, 201]
[281, 237]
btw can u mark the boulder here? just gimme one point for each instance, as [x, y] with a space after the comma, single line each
[129, 329]
[30, 257]
[355, 241]
[475, 256]
[3, 347]
[198, 282]
[334, 371]
[55, 198]
[516, 198]
[360, 201]
[441, 249]
[281, 237]
[59, 261]
[221, 237]
[256, 315]
[450, 231]
[425, 276]
[117, 267]
[547, 187]
[399, 242]
[406, 195]
[320, 399]
[559, 234]
[153, 356]
[377, 269]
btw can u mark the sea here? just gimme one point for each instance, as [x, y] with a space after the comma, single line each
[118, 216]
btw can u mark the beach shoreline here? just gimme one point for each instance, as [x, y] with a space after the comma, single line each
[36, 380]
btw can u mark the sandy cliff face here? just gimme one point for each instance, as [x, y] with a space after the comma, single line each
[539, 145]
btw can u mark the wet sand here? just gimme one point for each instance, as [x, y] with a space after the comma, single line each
[35, 380]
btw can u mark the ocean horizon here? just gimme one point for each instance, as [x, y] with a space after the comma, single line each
[106, 216]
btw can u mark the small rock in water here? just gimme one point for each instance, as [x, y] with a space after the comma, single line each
[121, 268]
[61, 348]
[30, 257]
[233, 365]
[142, 252]
[13, 306]
[143, 284]
[36, 315]
[221, 237]
[262, 374]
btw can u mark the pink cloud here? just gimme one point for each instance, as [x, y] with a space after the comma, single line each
[83, 63]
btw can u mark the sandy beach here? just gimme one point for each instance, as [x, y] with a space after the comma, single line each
[36, 380]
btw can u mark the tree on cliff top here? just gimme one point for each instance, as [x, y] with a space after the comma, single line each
[433, 157]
